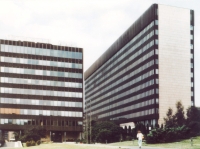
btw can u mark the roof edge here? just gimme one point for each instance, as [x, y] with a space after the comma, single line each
[132, 31]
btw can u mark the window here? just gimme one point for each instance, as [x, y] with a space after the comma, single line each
[157, 81]
[191, 55]
[156, 61]
[157, 91]
[191, 65]
[192, 103]
[156, 22]
[156, 41]
[156, 71]
[156, 32]
[157, 101]
[191, 46]
[191, 27]
[156, 51]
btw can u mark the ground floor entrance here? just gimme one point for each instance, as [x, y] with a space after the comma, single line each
[64, 136]
[56, 136]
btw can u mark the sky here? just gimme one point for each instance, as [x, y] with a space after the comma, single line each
[90, 24]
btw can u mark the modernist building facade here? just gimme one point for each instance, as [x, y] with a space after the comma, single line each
[41, 85]
[146, 70]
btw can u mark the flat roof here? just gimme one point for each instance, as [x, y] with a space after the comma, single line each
[37, 45]
[131, 32]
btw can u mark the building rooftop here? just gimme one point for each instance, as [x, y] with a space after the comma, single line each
[133, 30]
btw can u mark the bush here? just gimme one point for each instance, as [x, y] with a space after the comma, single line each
[167, 134]
[28, 143]
[106, 131]
[33, 143]
[128, 138]
[84, 141]
[33, 133]
[77, 140]
[38, 142]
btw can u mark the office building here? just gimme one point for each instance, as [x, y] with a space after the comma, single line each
[146, 70]
[41, 85]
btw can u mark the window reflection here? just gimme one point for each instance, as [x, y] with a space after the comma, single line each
[39, 51]
[40, 102]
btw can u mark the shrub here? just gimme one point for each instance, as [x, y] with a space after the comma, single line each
[38, 142]
[77, 140]
[106, 131]
[84, 141]
[28, 143]
[128, 138]
[33, 143]
[194, 128]
[167, 134]
[33, 133]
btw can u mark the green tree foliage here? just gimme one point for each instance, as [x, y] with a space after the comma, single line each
[106, 131]
[87, 131]
[179, 117]
[160, 135]
[193, 121]
[169, 120]
[177, 126]
[141, 127]
[32, 134]
[193, 114]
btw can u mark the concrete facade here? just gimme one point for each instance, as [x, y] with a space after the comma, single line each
[174, 58]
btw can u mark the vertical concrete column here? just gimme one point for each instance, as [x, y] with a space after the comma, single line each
[2, 134]
[64, 136]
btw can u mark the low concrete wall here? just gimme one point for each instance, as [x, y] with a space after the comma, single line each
[13, 144]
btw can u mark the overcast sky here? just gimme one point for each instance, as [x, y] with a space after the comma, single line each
[90, 24]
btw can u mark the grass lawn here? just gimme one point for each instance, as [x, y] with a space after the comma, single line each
[185, 144]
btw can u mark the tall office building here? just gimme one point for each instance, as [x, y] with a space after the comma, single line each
[41, 85]
[146, 70]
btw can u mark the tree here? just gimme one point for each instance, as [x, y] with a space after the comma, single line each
[193, 120]
[106, 131]
[33, 133]
[169, 120]
[177, 126]
[167, 134]
[178, 119]
[161, 126]
[157, 125]
[179, 116]
[193, 114]
[89, 126]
